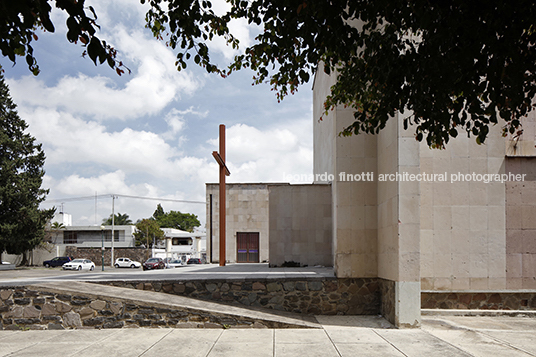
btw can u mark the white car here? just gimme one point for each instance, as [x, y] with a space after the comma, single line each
[79, 264]
[174, 263]
[126, 263]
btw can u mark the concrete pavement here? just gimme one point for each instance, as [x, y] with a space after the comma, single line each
[340, 336]
[442, 334]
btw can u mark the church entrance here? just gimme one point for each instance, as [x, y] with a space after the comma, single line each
[247, 245]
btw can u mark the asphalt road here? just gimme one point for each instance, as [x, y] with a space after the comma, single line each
[37, 275]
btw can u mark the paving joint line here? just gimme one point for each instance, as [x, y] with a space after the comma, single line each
[333, 343]
[273, 343]
[389, 342]
[505, 343]
[94, 342]
[447, 342]
[214, 344]
[154, 344]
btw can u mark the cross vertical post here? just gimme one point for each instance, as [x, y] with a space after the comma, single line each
[224, 171]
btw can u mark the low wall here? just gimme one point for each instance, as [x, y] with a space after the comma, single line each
[331, 296]
[95, 254]
[27, 308]
[499, 300]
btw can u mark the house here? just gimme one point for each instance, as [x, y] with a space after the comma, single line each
[182, 245]
[92, 237]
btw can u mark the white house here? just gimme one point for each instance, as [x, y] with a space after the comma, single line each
[182, 245]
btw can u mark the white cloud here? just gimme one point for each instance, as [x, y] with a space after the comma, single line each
[78, 191]
[269, 155]
[68, 139]
[125, 135]
[176, 122]
[154, 84]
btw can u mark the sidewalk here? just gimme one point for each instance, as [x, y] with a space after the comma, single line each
[340, 336]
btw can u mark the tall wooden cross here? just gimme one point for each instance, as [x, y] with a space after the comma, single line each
[224, 171]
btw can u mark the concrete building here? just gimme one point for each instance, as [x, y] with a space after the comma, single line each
[419, 221]
[92, 237]
[279, 223]
[247, 222]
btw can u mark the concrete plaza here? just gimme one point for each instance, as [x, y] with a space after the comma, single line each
[339, 336]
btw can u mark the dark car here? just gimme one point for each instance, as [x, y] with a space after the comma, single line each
[56, 262]
[194, 261]
[154, 263]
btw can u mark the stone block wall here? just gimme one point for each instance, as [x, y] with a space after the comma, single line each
[388, 299]
[95, 254]
[520, 224]
[300, 225]
[247, 211]
[25, 308]
[350, 296]
[504, 300]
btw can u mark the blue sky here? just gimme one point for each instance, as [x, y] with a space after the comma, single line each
[151, 133]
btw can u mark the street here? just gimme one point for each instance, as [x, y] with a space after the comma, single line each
[35, 275]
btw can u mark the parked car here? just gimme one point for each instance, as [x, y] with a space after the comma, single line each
[126, 263]
[194, 261]
[154, 263]
[56, 262]
[79, 264]
[175, 263]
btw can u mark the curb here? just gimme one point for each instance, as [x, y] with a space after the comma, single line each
[459, 312]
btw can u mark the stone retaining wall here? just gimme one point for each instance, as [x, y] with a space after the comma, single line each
[25, 308]
[503, 300]
[95, 254]
[332, 296]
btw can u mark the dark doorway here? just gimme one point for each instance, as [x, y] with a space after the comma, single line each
[247, 250]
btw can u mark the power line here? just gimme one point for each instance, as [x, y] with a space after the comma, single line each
[83, 198]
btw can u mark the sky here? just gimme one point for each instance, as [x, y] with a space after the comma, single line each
[151, 133]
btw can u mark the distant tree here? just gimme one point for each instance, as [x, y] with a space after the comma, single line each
[176, 219]
[55, 229]
[148, 232]
[22, 223]
[119, 220]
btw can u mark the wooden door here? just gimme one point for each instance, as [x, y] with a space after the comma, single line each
[247, 247]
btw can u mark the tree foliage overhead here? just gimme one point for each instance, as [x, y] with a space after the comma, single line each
[21, 21]
[457, 65]
[22, 223]
[175, 219]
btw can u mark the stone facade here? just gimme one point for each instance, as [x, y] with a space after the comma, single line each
[521, 224]
[293, 222]
[247, 211]
[24, 308]
[499, 300]
[322, 297]
[300, 225]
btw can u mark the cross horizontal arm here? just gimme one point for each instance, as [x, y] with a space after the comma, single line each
[220, 161]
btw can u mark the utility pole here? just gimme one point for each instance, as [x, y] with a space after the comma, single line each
[113, 235]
